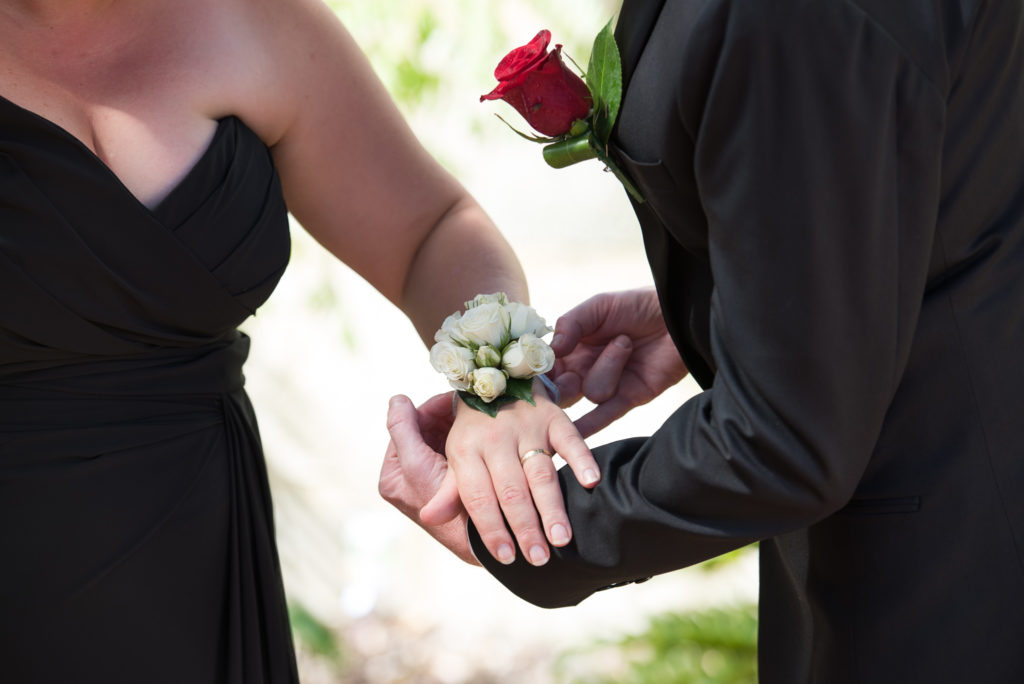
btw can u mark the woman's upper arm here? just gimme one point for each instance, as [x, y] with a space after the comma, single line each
[353, 173]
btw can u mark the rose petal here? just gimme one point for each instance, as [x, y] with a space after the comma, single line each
[522, 58]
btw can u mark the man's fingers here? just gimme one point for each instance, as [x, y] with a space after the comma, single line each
[570, 388]
[391, 483]
[403, 425]
[414, 474]
[602, 416]
[567, 334]
[437, 407]
[581, 321]
[454, 536]
[602, 380]
[435, 417]
[423, 468]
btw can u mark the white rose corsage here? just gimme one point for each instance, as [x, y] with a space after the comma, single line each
[491, 353]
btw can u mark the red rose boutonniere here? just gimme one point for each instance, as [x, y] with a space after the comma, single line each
[575, 117]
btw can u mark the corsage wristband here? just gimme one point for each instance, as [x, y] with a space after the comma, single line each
[491, 352]
[551, 387]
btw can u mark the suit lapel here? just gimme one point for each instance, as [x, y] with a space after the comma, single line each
[636, 21]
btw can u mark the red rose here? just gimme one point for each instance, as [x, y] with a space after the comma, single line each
[541, 87]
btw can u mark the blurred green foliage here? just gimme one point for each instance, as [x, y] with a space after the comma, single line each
[712, 564]
[313, 634]
[716, 646]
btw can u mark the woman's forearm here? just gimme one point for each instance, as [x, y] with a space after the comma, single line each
[463, 255]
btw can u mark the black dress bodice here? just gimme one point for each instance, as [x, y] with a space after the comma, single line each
[135, 517]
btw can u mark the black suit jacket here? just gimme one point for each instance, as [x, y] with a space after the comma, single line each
[835, 223]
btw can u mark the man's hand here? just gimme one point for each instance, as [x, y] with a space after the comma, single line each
[614, 350]
[415, 471]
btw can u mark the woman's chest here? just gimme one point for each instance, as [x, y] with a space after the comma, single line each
[135, 93]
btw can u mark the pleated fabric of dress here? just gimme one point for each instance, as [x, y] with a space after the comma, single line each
[136, 530]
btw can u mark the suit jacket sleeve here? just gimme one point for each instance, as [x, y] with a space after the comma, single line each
[815, 150]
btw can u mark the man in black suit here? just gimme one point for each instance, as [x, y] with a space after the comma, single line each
[835, 224]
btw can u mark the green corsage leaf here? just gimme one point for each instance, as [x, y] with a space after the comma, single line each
[520, 388]
[479, 404]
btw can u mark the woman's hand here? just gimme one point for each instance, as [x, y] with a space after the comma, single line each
[614, 350]
[503, 470]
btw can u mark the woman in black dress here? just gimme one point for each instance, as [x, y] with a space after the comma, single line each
[148, 151]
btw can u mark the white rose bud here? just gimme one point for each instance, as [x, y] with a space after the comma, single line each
[513, 361]
[488, 383]
[523, 319]
[488, 356]
[450, 330]
[496, 298]
[527, 357]
[485, 324]
[454, 361]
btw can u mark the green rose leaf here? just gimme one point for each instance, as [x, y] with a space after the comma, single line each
[520, 388]
[515, 390]
[604, 78]
[479, 404]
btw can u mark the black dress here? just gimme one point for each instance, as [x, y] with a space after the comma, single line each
[136, 534]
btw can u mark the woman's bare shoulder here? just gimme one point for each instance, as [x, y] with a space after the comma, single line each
[271, 60]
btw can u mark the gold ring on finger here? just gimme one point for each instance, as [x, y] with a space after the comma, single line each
[534, 452]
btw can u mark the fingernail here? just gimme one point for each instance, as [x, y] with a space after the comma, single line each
[505, 554]
[559, 535]
[538, 556]
[557, 340]
[590, 476]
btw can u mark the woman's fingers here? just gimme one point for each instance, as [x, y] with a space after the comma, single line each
[498, 488]
[566, 440]
[445, 505]
[535, 454]
[503, 491]
[517, 497]
[478, 497]
[542, 476]
[507, 481]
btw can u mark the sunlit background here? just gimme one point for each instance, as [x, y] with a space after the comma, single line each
[373, 598]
